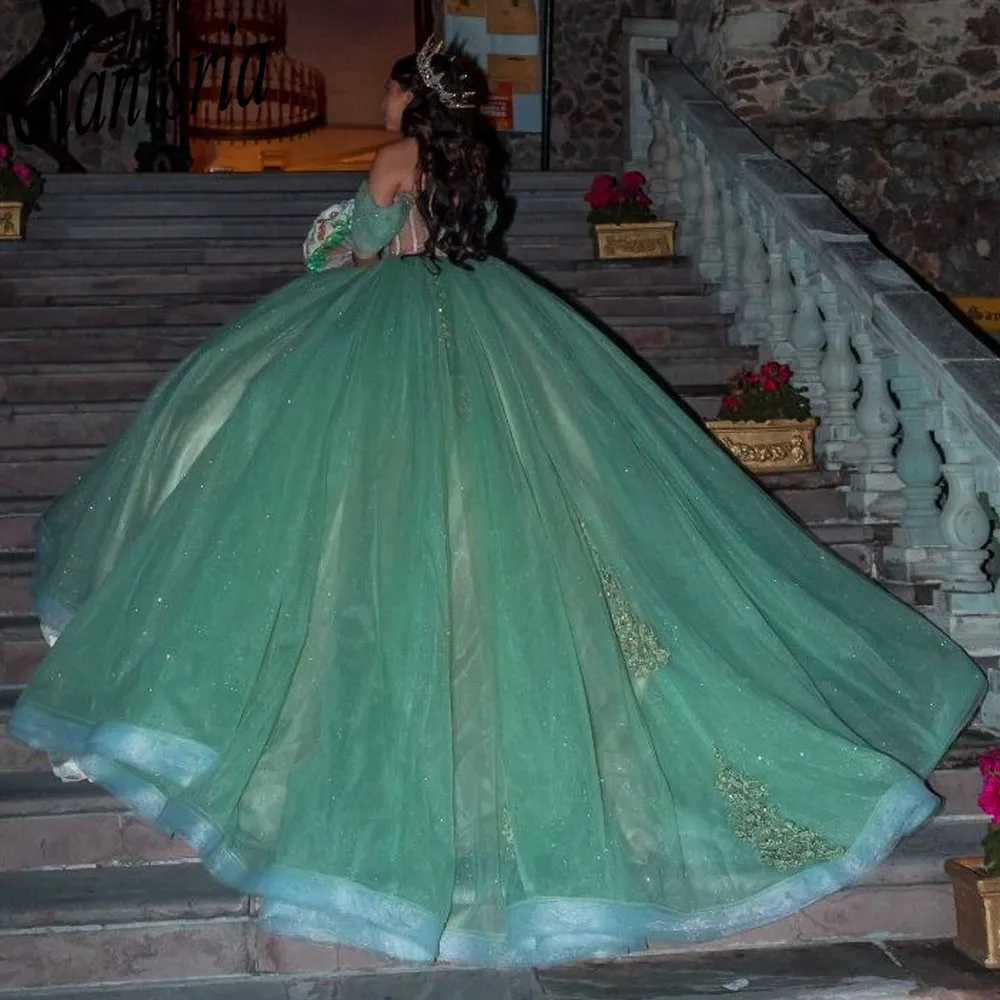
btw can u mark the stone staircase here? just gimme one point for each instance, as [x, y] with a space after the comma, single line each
[121, 277]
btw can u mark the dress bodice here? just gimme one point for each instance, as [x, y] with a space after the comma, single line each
[364, 228]
[396, 230]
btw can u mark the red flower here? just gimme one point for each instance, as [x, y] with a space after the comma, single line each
[752, 379]
[633, 181]
[770, 369]
[602, 191]
[784, 374]
[769, 384]
[730, 403]
[989, 798]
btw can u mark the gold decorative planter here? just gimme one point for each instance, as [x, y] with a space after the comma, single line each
[634, 240]
[770, 445]
[11, 220]
[977, 910]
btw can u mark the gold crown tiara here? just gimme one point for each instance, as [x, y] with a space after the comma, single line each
[455, 99]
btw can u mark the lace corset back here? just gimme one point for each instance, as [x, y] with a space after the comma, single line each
[397, 230]
[411, 237]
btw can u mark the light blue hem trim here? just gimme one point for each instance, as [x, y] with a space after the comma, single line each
[327, 909]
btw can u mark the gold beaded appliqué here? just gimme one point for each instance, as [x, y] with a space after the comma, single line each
[506, 829]
[639, 645]
[781, 843]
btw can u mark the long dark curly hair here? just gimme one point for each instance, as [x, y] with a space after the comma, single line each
[463, 165]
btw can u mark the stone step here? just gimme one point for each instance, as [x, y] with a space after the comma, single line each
[52, 256]
[53, 425]
[47, 823]
[145, 923]
[290, 224]
[148, 185]
[122, 381]
[214, 272]
[233, 204]
[21, 650]
[868, 971]
[75, 425]
[50, 227]
[46, 301]
[130, 316]
[82, 289]
[673, 339]
[114, 925]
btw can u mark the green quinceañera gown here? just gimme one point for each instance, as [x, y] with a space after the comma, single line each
[428, 618]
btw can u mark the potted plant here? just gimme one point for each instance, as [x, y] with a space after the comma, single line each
[20, 189]
[764, 421]
[622, 219]
[975, 882]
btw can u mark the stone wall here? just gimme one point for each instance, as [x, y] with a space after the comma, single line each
[892, 106]
[930, 191]
[587, 82]
[112, 147]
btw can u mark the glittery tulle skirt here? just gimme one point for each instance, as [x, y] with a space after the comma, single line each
[428, 618]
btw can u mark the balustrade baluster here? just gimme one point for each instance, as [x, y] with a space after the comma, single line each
[917, 551]
[965, 525]
[807, 334]
[675, 159]
[709, 248]
[875, 487]
[687, 229]
[732, 242]
[839, 373]
[752, 322]
[781, 293]
[658, 154]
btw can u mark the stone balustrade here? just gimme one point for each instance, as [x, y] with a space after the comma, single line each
[907, 396]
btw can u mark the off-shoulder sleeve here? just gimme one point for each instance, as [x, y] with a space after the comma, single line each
[372, 226]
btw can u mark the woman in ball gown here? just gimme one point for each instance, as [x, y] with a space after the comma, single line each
[428, 618]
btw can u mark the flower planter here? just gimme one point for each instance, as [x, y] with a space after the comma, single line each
[977, 910]
[11, 220]
[634, 240]
[769, 445]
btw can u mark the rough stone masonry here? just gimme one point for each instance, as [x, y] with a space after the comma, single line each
[893, 106]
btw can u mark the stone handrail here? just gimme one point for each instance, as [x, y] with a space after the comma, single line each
[908, 397]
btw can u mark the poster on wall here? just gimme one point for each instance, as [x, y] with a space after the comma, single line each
[504, 36]
[983, 311]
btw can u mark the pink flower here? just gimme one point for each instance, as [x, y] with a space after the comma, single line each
[22, 172]
[989, 798]
[989, 763]
[4, 151]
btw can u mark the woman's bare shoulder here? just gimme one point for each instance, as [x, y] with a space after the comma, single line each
[394, 170]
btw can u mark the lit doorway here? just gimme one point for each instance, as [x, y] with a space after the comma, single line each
[326, 64]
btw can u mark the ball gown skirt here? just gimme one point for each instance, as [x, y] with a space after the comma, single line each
[428, 618]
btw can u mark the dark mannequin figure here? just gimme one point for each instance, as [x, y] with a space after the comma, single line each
[30, 91]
